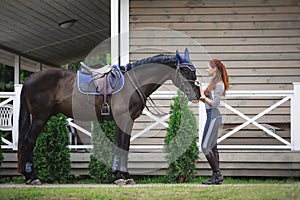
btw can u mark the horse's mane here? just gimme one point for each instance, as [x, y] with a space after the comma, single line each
[162, 59]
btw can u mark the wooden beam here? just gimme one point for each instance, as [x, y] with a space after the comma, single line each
[17, 67]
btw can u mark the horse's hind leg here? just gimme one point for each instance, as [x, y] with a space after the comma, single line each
[27, 150]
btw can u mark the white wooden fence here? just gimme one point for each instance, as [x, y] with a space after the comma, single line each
[12, 100]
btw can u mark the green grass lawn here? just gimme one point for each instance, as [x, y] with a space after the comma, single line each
[232, 188]
[245, 191]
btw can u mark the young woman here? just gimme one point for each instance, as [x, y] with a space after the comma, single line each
[211, 96]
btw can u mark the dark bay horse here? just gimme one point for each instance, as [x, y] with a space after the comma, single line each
[54, 91]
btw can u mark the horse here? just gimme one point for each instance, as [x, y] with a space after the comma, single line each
[52, 91]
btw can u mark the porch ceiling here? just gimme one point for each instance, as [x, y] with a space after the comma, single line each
[31, 29]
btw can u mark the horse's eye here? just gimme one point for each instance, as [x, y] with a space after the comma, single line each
[197, 83]
[185, 70]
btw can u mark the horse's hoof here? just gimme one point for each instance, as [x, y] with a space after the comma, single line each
[130, 181]
[36, 182]
[33, 182]
[120, 182]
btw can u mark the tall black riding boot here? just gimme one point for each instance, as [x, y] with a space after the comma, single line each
[216, 154]
[217, 177]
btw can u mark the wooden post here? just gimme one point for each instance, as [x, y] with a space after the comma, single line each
[124, 32]
[202, 120]
[202, 117]
[295, 118]
[16, 111]
[17, 65]
[114, 35]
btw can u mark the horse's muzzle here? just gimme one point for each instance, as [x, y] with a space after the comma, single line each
[195, 94]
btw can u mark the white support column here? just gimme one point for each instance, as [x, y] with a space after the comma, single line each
[114, 31]
[124, 32]
[295, 118]
[17, 65]
[202, 117]
[39, 67]
[202, 120]
[16, 111]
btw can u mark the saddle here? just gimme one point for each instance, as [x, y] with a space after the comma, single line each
[104, 81]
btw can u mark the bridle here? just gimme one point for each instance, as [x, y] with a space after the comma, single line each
[182, 80]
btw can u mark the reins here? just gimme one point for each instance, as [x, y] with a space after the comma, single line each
[144, 98]
[158, 112]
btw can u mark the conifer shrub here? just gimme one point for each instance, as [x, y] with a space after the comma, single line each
[102, 153]
[51, 155]
[181, 141]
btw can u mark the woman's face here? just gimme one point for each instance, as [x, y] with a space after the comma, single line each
[211, 71]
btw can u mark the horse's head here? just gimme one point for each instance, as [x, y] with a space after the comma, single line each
[185, 76]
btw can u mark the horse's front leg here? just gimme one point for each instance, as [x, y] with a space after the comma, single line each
[121, 150]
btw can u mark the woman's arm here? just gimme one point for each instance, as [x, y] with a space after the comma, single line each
[218, 92]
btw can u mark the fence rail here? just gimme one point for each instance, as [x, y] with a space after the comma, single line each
[285, 95]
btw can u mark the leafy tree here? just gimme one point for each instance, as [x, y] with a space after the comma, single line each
[74, 66]
[51, 155]
[102, 153]
[6, 78]
[23, 75]
[181, 141]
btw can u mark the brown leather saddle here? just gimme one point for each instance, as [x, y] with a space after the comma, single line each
[108, 80]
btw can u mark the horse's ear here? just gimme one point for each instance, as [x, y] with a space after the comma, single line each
[179, 57]
[187, 55]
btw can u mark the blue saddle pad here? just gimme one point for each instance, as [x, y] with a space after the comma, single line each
[86, 85]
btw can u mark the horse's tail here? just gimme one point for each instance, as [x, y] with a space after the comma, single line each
[24, 125]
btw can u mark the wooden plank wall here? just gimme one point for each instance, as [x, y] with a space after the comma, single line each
[258, 41]
[257, 164]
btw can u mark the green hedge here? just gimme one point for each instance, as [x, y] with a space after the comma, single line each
[181, 141]
[102, 153]
[51, 155]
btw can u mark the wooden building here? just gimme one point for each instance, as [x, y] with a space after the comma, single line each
[259, 43]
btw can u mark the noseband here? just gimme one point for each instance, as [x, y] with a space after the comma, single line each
[182, 80]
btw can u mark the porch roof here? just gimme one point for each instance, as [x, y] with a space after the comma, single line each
[31, 29]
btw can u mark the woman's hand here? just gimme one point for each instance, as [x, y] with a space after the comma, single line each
[202, 94]
[202, 98]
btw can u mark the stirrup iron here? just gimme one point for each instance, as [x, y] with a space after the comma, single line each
[105, 110]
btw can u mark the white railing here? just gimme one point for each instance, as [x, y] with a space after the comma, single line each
[168, 95]
[11, 99]
[286, 95]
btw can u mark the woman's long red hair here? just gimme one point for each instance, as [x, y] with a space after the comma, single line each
[220, 76]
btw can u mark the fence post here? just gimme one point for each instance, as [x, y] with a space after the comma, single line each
[295, 118]
[202, 120]
[202, 117]
[16, 111]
